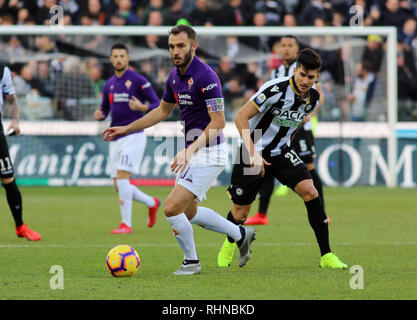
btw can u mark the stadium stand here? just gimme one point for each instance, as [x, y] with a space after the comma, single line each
[47, 73]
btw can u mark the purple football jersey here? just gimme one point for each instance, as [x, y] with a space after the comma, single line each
[197, 92]
[118, 91]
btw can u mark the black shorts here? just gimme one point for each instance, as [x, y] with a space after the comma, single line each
[303, 144]
[6, 167]
[288, 168]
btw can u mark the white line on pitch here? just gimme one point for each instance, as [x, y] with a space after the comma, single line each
[258, 244]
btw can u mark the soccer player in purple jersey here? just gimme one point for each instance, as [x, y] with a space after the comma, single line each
[196, 88]
[124, 95]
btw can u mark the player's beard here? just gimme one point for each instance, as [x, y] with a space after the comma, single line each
[185, 61]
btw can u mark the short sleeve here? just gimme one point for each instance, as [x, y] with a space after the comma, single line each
[7, 82]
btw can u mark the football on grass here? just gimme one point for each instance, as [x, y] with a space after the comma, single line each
[123, 261]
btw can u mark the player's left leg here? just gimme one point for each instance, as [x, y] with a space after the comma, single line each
[14, 199]
[318, 222]
[13, 195]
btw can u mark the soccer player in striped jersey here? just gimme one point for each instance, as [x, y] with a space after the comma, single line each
[302, 142]
[124, 98]
[13, 195]
[266, 123]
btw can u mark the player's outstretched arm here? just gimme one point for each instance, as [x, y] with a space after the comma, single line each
[248, 111]
[150, 119]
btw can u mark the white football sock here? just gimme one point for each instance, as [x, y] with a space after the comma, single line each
[142, 197]
[211, 220]
[125, 198]
[184, 235]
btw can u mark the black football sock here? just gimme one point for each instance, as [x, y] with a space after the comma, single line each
[317, 184]
[318, 222]
[242, 230]
[14, 199]
[265, 193]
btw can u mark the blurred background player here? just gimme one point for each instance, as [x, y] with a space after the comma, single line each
[302, 141]
[196, 88]
[124, 96]
[266, 123]
[13, 195]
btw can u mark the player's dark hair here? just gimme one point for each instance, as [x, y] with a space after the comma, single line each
[191, 34]
[309, 59]
[291, 37]
[119, 45]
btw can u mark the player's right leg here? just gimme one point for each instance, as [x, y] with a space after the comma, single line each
[243, 190]
[125, 158]
[174, 206]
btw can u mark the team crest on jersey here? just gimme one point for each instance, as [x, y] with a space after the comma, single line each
[190, 83]
[128, 84]
[307, 107]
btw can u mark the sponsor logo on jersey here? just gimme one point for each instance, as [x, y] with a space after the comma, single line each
[146, 85]
[287, 118]
[275, 89]
[214, 105]
[119, 97]
[260, 99]
[209, 87]
[183, 99]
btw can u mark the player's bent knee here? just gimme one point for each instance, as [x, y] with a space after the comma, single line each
[240, 213]
[171, 209]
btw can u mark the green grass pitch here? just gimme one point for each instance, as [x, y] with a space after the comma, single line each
[372, 227]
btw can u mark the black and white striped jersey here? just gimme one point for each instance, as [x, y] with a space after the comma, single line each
[281, 111]
[284, 71]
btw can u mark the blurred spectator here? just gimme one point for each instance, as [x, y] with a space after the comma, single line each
[235, 13]
[71, 10]
[154, 5]
[44, 44]
[313, 10]
[201, 15]
[22, 16]
[260, 43]
[95, 74]
[408, 31]
[289, 20]
[274, 11]
[117, 20]
[43, 14]
[174, 13]
[125, 10]
[225, 70]
[43, 81]
[407, 89]
[24, 80]
[94, 12]
[233, 97]
[374, 52]
[362, 91]
[392, 15]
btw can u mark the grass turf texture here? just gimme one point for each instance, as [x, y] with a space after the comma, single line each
[373, 227]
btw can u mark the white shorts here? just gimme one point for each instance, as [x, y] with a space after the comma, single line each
[203, 169]
[126, 153]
